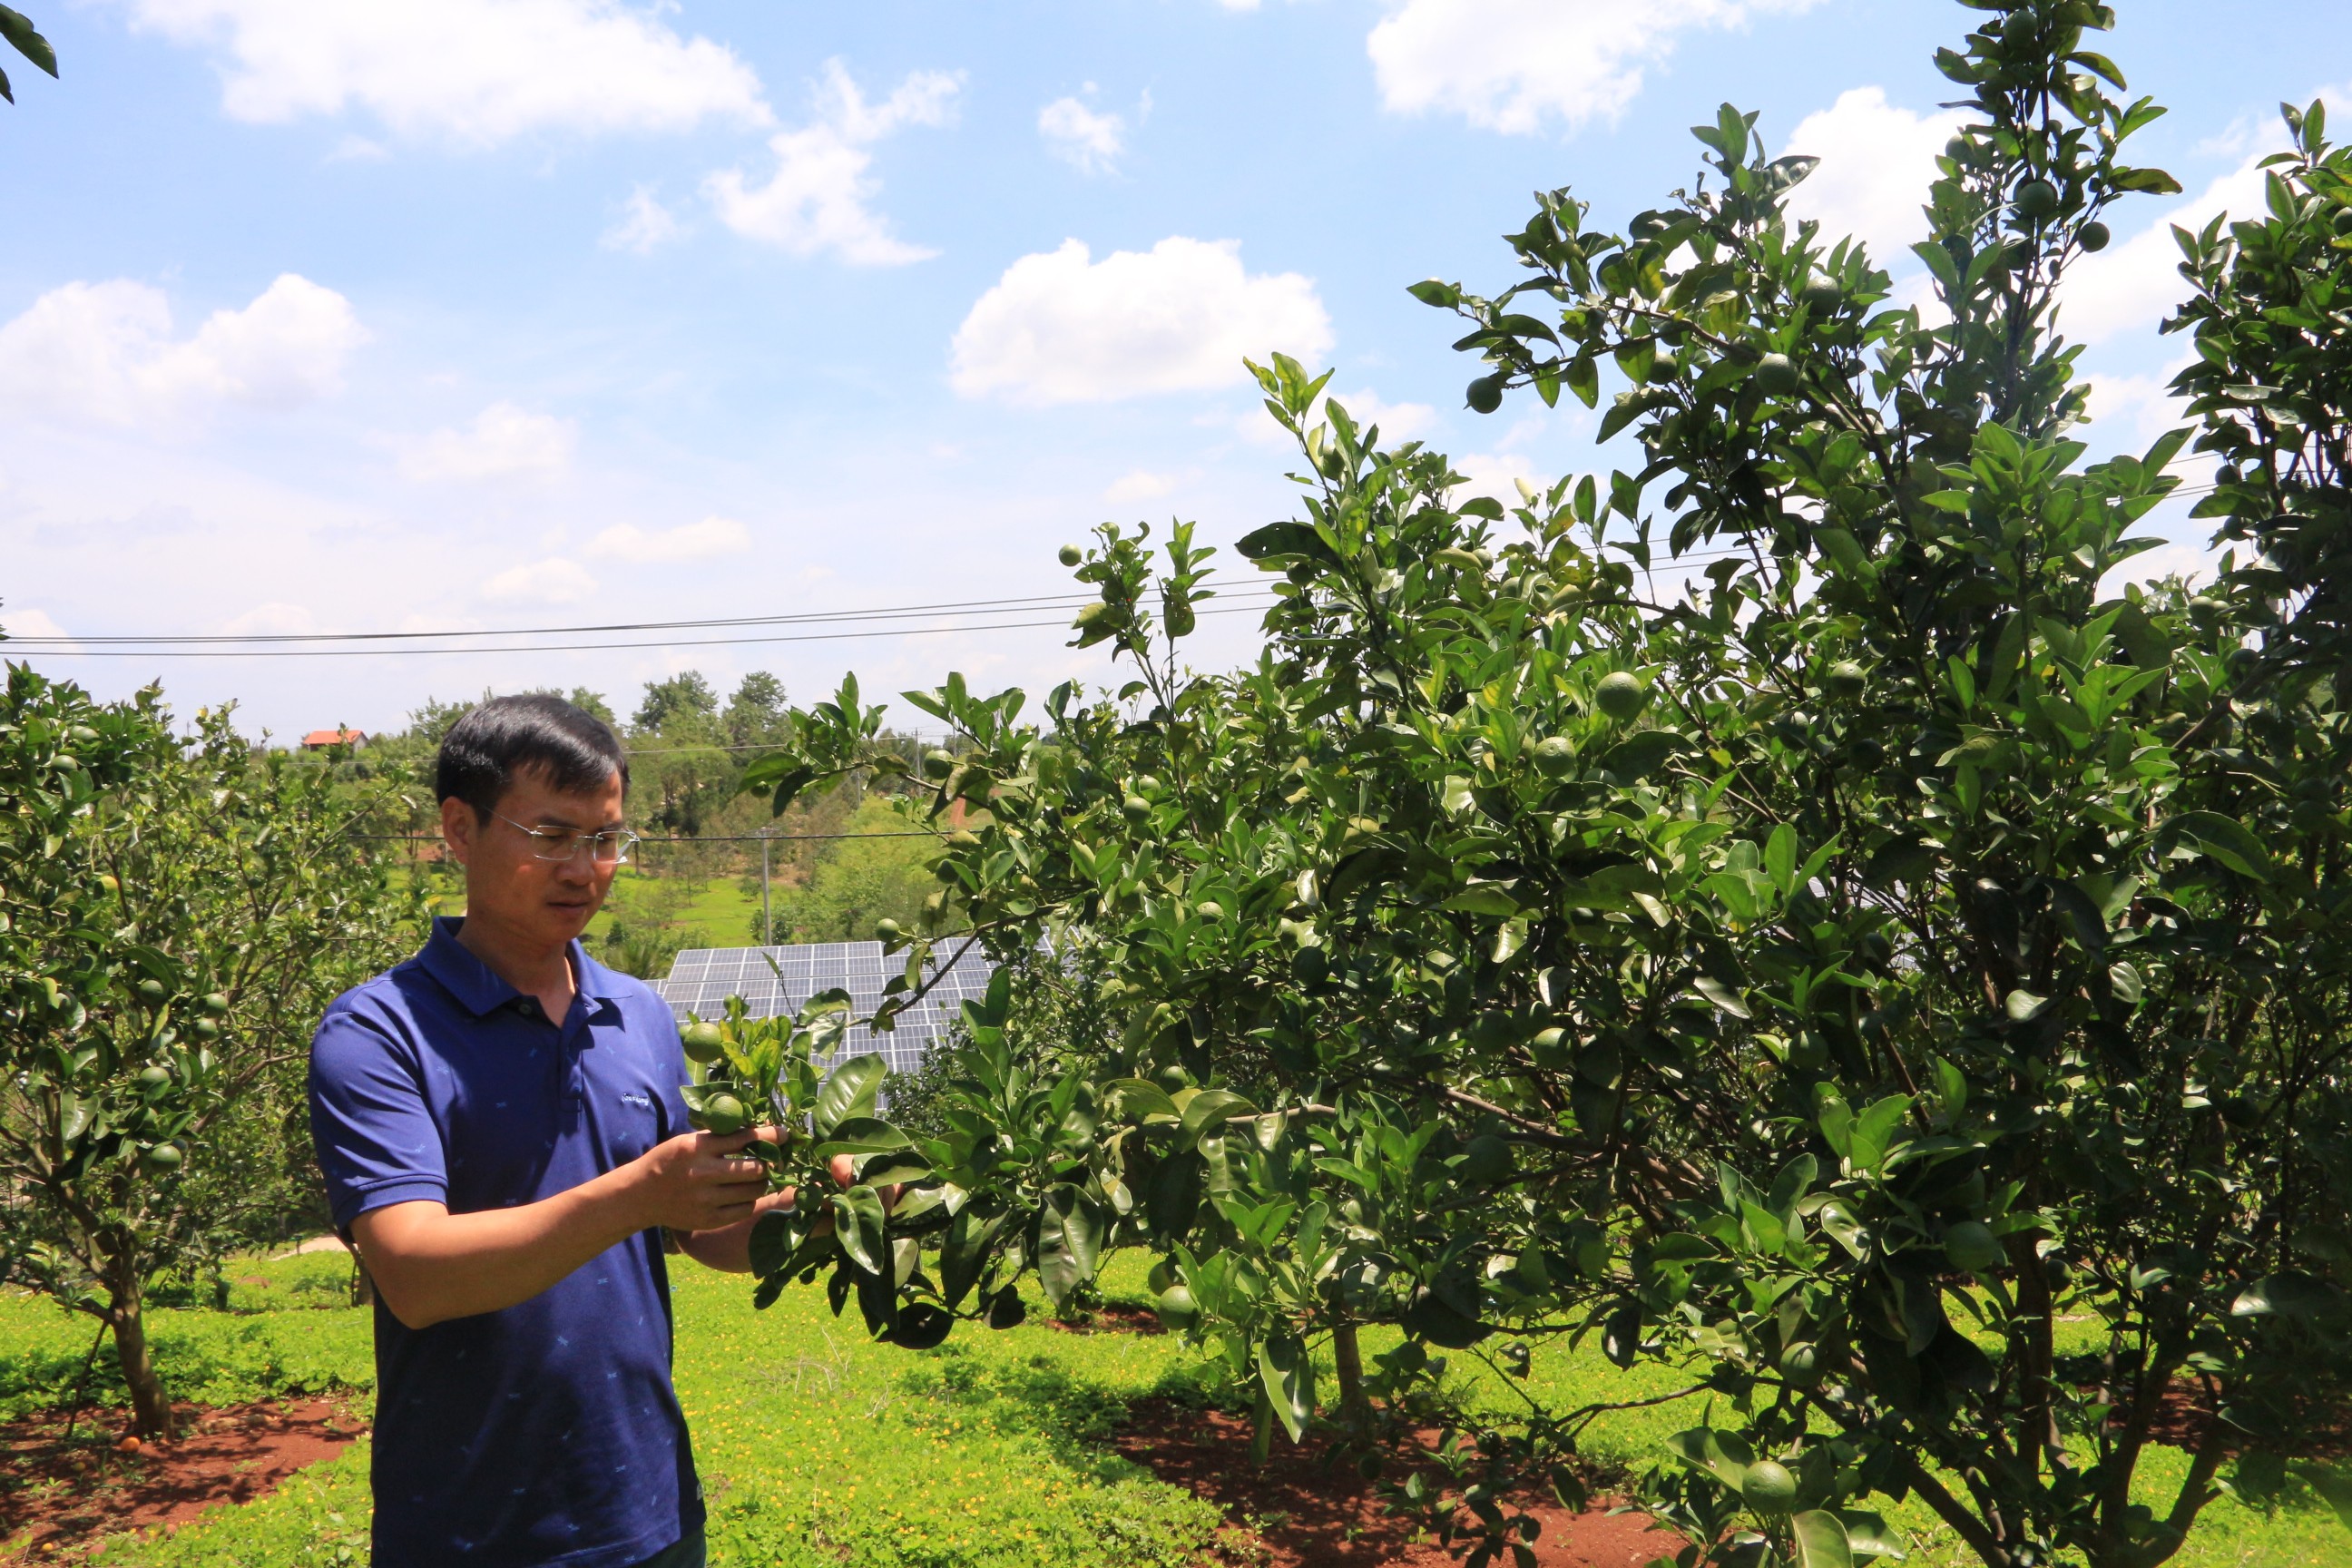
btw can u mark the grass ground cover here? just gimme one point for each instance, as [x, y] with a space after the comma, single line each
[820, 1449]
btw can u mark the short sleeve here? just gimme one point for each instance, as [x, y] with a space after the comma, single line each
[375, 1135]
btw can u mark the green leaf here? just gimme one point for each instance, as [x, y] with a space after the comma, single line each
[1725, 1456]
[1869, 1535]
[1286, 1372]
[1722, 996]
[862, 1135]
[771, 1242]
[1835, 1118]
[1820, 1539]
[1140, 1098]
[1212, 1107]
[2226, 840]
[1483, 899]
[2333, 1483]
[859, 1223]
[1285, 541]
[2148, 182]
[1070, 1228]
[2286, 1295]
[964, 1250]
[17, 28]
[850, 1092]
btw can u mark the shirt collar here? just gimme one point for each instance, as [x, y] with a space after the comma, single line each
[477, 986]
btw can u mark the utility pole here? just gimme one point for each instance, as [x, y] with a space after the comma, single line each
[767, 920]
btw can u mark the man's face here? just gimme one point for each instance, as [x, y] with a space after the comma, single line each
[508, 885]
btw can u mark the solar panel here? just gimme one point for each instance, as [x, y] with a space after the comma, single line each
[701, 979]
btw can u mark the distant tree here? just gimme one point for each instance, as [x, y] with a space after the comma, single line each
[681, 696]
[428, 725]
[755, 714]
[18, 30]
[593, 702]
[865, 878]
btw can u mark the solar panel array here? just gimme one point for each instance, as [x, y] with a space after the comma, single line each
[702, 979]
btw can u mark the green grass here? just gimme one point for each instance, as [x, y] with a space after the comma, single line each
[820, 1449]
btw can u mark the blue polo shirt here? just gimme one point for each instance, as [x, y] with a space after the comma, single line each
[546, 1433]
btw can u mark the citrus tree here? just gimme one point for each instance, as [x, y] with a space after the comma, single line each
[1774, 911]
[175, 913]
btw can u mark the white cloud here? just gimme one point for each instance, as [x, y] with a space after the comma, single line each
[2127, 413]
[474, 71]
[104, 351]
[1878, 161]
[644, 225]
[27, 623]
[277, 617]
[1497, 474]
[1060, 326]
[558, 580]
[687, 542]
[1078, 135]
[818, 199]
[1139, 484]
[2135, 283]
[1512, 64]
[503, 440]
[1398, 421]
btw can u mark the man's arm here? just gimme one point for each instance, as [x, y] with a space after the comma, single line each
[432, 1266]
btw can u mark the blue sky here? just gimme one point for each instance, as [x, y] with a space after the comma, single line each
[321, 315]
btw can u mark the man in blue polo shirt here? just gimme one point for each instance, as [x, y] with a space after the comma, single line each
[499, 1123]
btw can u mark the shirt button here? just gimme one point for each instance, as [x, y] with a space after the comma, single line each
[528, 1008]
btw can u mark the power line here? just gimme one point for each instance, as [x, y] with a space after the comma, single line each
[208, 645]
[65, 648]
[1037, 601]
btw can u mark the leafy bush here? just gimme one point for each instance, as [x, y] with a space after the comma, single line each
[175, 916]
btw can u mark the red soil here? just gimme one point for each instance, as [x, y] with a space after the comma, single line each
[57, 1500]
[1299, 1510]
[1115, 1318]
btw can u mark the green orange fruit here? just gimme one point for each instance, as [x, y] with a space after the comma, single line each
[703, 1042]
[1071, 555]
[723, 1114]
[1177, 1309]
[1554, 756]
[1621, 695]
[1769, 1487]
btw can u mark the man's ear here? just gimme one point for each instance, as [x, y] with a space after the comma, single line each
[459, 826]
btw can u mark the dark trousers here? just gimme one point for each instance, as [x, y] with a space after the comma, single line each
[687, 1553]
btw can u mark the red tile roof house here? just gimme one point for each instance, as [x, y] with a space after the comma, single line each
[320, 740]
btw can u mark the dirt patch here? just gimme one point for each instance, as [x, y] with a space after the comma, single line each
[1118, 1318]
[58, 1498]
[1309, 1508]
[2322, 1430]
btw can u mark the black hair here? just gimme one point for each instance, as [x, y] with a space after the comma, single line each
[572, 749]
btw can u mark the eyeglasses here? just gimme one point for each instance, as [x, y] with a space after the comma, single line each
[562, 845]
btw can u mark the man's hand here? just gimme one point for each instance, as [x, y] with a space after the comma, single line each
[700, 1181]
[729, 1247]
